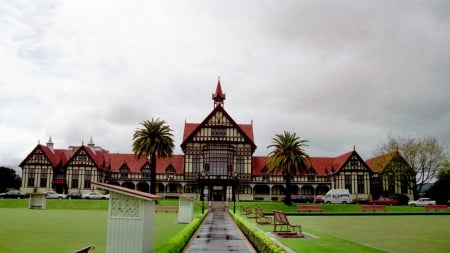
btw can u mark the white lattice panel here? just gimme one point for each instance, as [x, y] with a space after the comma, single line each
[126, 207]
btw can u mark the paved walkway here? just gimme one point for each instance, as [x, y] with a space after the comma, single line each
[218, 233]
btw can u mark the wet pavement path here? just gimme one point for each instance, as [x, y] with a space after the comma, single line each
[218, 233]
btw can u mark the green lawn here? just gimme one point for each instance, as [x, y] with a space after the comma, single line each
[421, 233]
[70, 224]
[385, 233]
[67, 225]
[62, 230]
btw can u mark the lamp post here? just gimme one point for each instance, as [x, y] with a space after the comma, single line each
[235, 178]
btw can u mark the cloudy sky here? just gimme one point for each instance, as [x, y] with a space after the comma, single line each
[338, 73]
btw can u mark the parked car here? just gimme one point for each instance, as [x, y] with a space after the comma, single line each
[74, 195]
[360, 201]
[337, 196]
[319, 199]
[94, 195]
[55, 195]
[14, 194]
[422, 202]
[302, 199]
[384, 201]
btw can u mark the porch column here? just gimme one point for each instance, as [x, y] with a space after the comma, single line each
[270, 191]
[253, 191]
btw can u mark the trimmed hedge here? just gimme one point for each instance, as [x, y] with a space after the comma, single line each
[180, 240]
[259, 239]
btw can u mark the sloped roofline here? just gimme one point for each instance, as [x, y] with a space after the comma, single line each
[200, 125]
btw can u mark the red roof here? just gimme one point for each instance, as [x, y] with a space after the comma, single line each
[108, 161]
[322, 165]
[135, 165]
[378, 163]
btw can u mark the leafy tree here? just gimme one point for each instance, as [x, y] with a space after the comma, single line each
[154, 140]
[287, 157]
[9, 179]
[440, 191]
[425, 156]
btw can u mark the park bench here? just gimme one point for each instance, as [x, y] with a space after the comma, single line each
[243, 210]
[373, 208]
[249, 213]
[282, 227]
[166, 208]
[261, 219]
[309, 208]
[85, 249]
[436, 208]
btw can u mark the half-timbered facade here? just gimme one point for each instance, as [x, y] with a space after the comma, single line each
[218, 163]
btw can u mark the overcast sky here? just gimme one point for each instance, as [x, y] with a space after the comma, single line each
[338, 73]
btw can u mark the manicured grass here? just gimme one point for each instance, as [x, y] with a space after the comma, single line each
[67, 225]
[380, 233]
[70, 224]
[422, 233]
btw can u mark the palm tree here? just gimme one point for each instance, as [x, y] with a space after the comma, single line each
[153, 140]
[287, 157]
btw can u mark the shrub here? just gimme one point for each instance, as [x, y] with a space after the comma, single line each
[259, 240]
[177, 243]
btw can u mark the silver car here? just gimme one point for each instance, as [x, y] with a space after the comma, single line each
[422, 202]
[55, 195]
[94, 195]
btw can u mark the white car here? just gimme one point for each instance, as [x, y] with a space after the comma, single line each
[422, 202]
[94, 195]
[55, 195]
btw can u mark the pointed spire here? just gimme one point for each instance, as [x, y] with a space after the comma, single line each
[50, 144]
[91, 145]
[219, 96]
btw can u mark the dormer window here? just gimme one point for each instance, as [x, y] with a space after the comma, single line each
[146, 173]
[170, 171]
[123, 172]
[265, 175]
[312, 176]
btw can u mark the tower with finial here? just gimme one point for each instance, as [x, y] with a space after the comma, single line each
[219, 96]
[50, 144]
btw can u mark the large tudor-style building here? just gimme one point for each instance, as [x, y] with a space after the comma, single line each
[218, 154]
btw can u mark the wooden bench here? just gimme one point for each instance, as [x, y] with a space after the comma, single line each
[85, 249]
[261, 219]
[282, 226]
[243, 210]
[436, 208]
[309, 208]
[373, 208]
[166, 208]
[249, 213]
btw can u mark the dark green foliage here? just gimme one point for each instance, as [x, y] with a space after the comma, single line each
[440, 191]
[287, 157]
[177, 243]
[9, 179]
[259, 240]
[154, 140]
